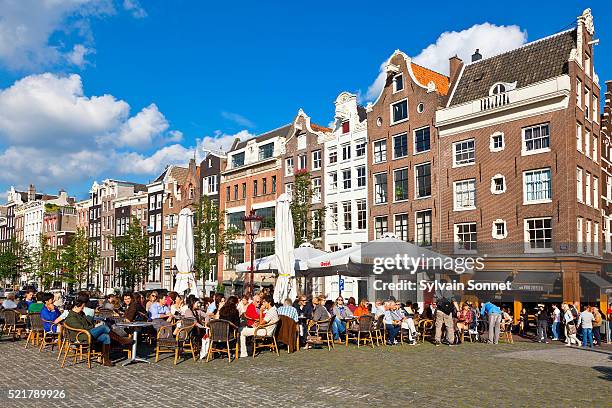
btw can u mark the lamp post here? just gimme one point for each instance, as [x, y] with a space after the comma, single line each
[252, 223]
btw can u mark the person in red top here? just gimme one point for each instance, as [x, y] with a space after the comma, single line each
[252, 311]
[464, 318]
[362, 309]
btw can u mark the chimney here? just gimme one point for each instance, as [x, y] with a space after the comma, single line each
[455, 66]
[476, 56]
[31, 192]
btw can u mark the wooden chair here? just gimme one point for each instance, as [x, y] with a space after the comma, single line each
[322, 329]
[178, 344]
[378, 328]
[290, 328]
[37, 329]
[77, 344]
[51, 337]
[425, 328]
[264, 339]
[361, 331]
[13, 325]
[222, 332]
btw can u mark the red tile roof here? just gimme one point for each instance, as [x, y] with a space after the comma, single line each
[318, 128]
[425, 76]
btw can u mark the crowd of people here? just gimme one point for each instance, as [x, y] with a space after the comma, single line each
[250, 315]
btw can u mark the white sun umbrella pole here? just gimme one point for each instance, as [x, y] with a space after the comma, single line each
[186, 283]
[284, 251]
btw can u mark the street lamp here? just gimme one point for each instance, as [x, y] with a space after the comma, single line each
[252, 223]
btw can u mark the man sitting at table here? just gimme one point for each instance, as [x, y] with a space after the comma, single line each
[252, 311]
[160, 313]
[24, 304]
[341, 314]
[288, 310]
[269, 320]
[36, 306]
[392, 320]
[134, 311]
[9, 303]
[49, 313]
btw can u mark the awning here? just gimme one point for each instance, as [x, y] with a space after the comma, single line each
[492, 276]
[535, 281]
[600, 282]
[242, 283]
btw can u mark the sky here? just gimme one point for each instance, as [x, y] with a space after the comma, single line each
[95, 89]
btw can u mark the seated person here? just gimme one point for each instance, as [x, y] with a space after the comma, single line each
[392, 321]
[319, 312]
[9, 303]
[408, 322]
[378, 309]
[88, 311]
[269, 320]
[160, 314]
[341, 313]
[229, 311]
[288, 310]
[24, 304]
[134, 311]
[38, 305]
[362, 309]
[109, 302]
[252, 311]
[49, 313]
[464, 318]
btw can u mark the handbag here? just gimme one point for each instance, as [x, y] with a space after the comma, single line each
[571, 328]
[314, 339]
[205, 346]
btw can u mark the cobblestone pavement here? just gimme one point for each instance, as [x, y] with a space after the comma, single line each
[471, 375]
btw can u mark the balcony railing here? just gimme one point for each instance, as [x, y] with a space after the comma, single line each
[495, 101]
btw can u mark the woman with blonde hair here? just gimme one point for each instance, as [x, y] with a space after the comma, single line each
[152, 298]
[570, 326]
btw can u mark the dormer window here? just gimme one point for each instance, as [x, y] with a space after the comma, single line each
[398, 83]
[501, 87]
[346, 126]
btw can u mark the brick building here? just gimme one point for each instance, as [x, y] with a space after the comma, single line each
[126, 209]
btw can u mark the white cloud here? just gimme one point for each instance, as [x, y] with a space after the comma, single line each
[489, 38]
[36, 34]
[222, 141]
[238, 119]
[135, 163]
[140, 130]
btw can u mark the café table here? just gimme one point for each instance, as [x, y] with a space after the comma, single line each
[136, 327]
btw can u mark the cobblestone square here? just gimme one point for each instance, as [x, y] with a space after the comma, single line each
[470, 375]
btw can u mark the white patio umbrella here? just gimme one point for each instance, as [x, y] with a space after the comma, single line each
[186, 283]
[269, 263]
[283, 250]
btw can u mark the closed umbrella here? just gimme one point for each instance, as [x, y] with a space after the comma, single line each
[283, 250]
[186, 283]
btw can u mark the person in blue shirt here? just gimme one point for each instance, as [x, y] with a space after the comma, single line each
[28, 299]
[49, 313]
[495, 316]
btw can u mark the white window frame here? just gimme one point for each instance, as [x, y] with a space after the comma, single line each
[587, 188]
[471, 181]
[363, 178]
[493, 189]
[316, 190]
[579, 142]
[349, 179]
[289, 166]
[595, 238]
[579, 93]
[406, 217]
[416, 183]
[384, 152]
[302, 158]
[386, 188]
[579, 184]
[595, 192]
[393, 143]
[524, 151]
[588, 239]
[391, 122]
[579, 235]
[494, 229]
[468, 163]
[316, 158]
[414, 141]
[461, 250]
[587, 142]
[595, 107]
[528, 248]
[407, 186]
[333, 216]
[541, 201]
[492, 147]
[346, 148]
[595, 144]
[587, 103]
[333, 181]
[401, 76]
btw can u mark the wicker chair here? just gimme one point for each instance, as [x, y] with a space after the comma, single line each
[222, 332]
[264, 339]
[177, 344]
[322, 329]
[77, 343]
[425, 328]
[37, 329]
[361, 331]
[51, 337]
[13, 325]
[378, 328]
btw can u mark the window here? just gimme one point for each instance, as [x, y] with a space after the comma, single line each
[498, 89]
[496, 143]
[421, 140]
[234, 220]
[499, 229]
[595, 238]
[595, 144]
[266, 151]
[579, 242]
[400, 146]
[498, 184]
[587, 65]
[536, 139]
[579, 184]
[346, 179]
[254, 188]
[588, 237]
[380, 188]
[420, 107]
[361, 176]
[463, 153]
[348, 220]
[362, 215]
[333, 156]
[423, 180]
[333, 181]
[302, 162]
[166, 242]
[316, 224]
[289, 166]
[465, 195]
[316, 159]
[595, 192]
[316, 189]
[380, 227]
[264, 186]
[211, 184]
[400, 184]
[274, 184]
[399, 111]
[587, 143]
[227, 193]
[173, 241]
[360, 149]
[587, 103]
[398, 83]
[243, 190]
[538, 234]
[267, 215]
[401, 226]
[537, 186]
[423, 228]
[380, 151]
[587, 188]
[235, 255]
[595, 108]
[289, 189]
[238, 160]
[465, 237]
[346, 152]
[158, 222]
[579, 137]
[333, 217]
[578, 93]
[609, 188]
[346, 126]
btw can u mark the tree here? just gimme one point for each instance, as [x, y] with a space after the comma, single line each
[132, 250]
[301, 210]
[209, 238]
[78, 257]
[12, 260]
[45, 262]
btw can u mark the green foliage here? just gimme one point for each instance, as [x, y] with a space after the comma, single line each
[301, 210]
[45, 263]
[78, 258]
[12, 261]
[132, 250]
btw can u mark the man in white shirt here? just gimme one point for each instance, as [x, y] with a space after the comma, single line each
[9, 303]
[266, 327]
[586, 320]
[556, 315]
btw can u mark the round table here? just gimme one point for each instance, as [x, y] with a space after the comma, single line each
[136, 327]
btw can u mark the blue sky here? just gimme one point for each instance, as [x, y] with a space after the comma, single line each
[175, 72]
